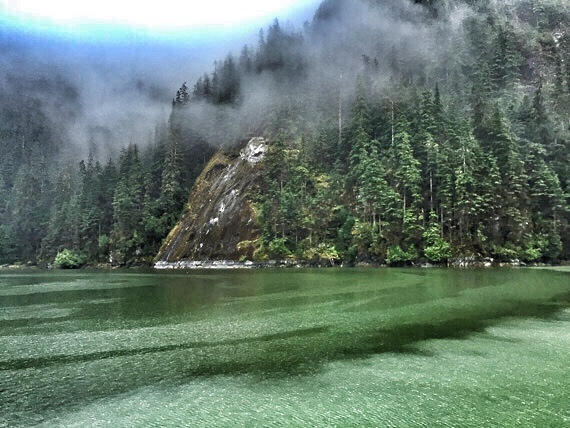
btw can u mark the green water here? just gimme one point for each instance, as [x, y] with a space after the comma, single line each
[378, 347]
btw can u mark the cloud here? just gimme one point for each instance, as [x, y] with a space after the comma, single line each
[123, 79]
[124, 86]
[164, 15]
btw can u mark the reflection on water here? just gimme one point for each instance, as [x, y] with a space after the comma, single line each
[285, 347]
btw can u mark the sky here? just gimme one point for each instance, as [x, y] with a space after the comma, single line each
[127, 58]
[157, 18]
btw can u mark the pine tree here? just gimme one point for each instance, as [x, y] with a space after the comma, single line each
[504, 148]
[548, 208]
[29, 210]
[182, 96]
[246, 61]
[360, 131]
[90, 201]
[128, 203]
[406, 169]
[63, 226]
[507, 60]
[228, 88]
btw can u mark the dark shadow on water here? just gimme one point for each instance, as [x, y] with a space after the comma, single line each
[27, 363]
[296, 352]
[71, 381]
[32, 322]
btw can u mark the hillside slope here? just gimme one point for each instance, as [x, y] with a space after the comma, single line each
[396, 131]
[406, 131]
[220, 221]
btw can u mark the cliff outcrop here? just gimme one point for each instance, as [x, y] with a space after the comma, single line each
[220, 221]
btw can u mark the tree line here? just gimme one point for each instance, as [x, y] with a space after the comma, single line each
[114, 212]
[416, 173]
[403, 158]
[412, 178]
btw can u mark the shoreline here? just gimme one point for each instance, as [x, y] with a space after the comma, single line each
[233, 264]
[461, 263]
[465, 263]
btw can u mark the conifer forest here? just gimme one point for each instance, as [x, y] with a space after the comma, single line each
[398, 132]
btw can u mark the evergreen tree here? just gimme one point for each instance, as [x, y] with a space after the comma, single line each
[63, 227]
[228, 88]
[503, 146]
[548, 208]
[128, 197]
[91, 216]
[182, 96]
[506, 60]
[246, 61]
[28, 211]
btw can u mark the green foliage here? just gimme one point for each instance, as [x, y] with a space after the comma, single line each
[507, 252]
[277, 248]
[396, 256]
[436, 249]
[363, 238]
[5, 244]
[324, 253]
[103, 244]
[260, 254]
[463, 152]
[439, 251]
[68, 259]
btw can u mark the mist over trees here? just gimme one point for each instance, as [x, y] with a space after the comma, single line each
[398, 131]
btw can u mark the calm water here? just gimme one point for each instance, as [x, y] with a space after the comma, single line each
[381, 347]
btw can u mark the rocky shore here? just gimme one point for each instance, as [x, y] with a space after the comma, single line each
[464, 262]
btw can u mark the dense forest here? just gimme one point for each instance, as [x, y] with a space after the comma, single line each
[398, 131]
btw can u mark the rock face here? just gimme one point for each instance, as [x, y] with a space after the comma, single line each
[220, 222]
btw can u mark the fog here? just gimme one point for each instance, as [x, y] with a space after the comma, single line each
[107, 92]
[344, 41]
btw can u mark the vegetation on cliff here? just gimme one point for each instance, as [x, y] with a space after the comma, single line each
[396, 131]
[220, 221]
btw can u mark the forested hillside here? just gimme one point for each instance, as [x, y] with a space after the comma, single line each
[398, 131]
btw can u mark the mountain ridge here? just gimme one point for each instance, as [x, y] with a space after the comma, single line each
[396, 132]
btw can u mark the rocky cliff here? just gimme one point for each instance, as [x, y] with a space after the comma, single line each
[220, 222]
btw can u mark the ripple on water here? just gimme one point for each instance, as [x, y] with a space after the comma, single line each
[34, 312]
[479, 381]
[302, 354]
[53, 287]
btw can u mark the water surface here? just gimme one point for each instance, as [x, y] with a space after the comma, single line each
[379, 347]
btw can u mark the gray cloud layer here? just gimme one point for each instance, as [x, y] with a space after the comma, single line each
[107, 94]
